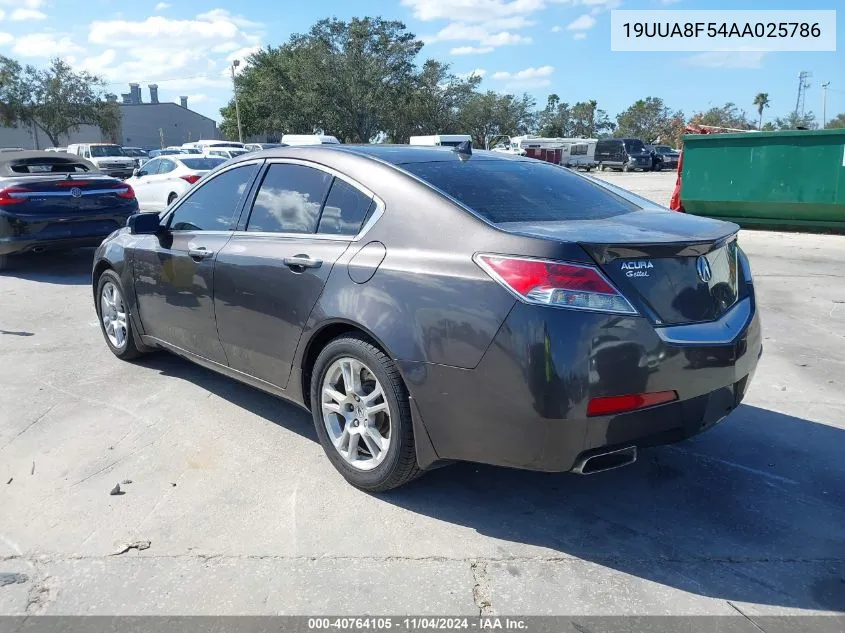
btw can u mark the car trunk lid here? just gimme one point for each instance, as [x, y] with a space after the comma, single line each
[676, 268]
[61, 193]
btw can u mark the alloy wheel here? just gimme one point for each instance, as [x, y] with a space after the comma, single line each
[113, 315]
[356, 413]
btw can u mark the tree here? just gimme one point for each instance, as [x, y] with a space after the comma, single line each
[588, 121]
[56, 99]
[343, 77]
[556, 119]
[836, 123]
[795, 121]
[487, 114]
[761, 101]
[727, 116]
[652, 121]
[433, 104]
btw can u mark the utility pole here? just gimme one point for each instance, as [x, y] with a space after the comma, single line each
[235, 64]
[824, 103]
[803, 84]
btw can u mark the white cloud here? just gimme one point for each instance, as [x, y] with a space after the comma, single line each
[225, 47]
[580, 36]
[21, 15]
[528, 73]
[97, 63]
[471, 10]
[158, 30]
[471, 50]
[163, 6]
[2, 15]
[582, 23]
[5, 38]
[26, 4]
[45, 45]
[726, 59]
[217, 15]
[198, 98]
[478, 33]
[478, 72]
[556, 29]
[527, 78]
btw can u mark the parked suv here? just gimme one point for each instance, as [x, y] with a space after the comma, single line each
[669, 155]
[626, 154]
[109, 159]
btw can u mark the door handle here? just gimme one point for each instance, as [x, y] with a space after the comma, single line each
[199, 253]
[302, 261]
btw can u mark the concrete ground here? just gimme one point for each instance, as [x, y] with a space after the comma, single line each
[233, 508]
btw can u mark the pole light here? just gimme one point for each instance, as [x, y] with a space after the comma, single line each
[235, 64]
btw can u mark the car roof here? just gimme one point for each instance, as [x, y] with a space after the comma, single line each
[391, 154]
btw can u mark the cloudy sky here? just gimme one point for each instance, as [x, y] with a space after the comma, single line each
[538, 46]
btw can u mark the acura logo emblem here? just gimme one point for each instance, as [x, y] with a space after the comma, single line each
[703, 268]
[76, 192]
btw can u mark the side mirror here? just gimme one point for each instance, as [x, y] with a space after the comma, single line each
[144, 224]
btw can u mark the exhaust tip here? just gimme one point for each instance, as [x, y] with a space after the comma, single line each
[601, 462]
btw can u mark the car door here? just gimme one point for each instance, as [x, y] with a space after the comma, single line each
[269, 276]
[162, 181]
[174, 271]
[143, 185]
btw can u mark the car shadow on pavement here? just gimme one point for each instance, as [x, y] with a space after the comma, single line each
[752, 511]
[68, 268]
[264, 405]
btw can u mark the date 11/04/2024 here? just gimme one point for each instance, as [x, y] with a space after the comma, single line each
[417, 623]
[722, 30]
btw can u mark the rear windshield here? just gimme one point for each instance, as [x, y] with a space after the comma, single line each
[49, 167]
[521, 191]
[202, 164]
[634, 146]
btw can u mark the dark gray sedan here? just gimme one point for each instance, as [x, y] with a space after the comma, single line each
[430, 305]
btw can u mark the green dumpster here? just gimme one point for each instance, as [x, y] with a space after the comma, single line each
[777, 179]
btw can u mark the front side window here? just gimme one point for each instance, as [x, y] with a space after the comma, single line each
[150, 168]
[166, 166]
[212, 206]
[289, 200]
[345, 209]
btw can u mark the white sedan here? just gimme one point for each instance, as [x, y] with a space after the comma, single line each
[161, 180]
[225, 152]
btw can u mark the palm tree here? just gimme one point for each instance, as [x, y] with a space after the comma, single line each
[761, 101]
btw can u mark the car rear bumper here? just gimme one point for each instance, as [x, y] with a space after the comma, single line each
[525, 403]
[24, 233]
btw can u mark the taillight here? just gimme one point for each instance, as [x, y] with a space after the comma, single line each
[564, 285]
[8, 197]
[126, 191]
[191, 178]
[620, 404]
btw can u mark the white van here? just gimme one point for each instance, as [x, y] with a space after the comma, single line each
[444, 140]
[309, 139]
[108, 157]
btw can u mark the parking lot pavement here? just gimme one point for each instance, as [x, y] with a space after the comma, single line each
[233, 507]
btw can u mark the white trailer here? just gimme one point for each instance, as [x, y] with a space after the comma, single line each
[309, 139]
[582, 154]
[445, 140]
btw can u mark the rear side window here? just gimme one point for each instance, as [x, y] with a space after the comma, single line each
[345, 210]
[289, 200]
[212, 206]
[521, 190]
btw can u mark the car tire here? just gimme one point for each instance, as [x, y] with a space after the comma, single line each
[116, 331]
[351, 356]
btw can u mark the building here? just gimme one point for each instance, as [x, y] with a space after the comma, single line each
[148, 125]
